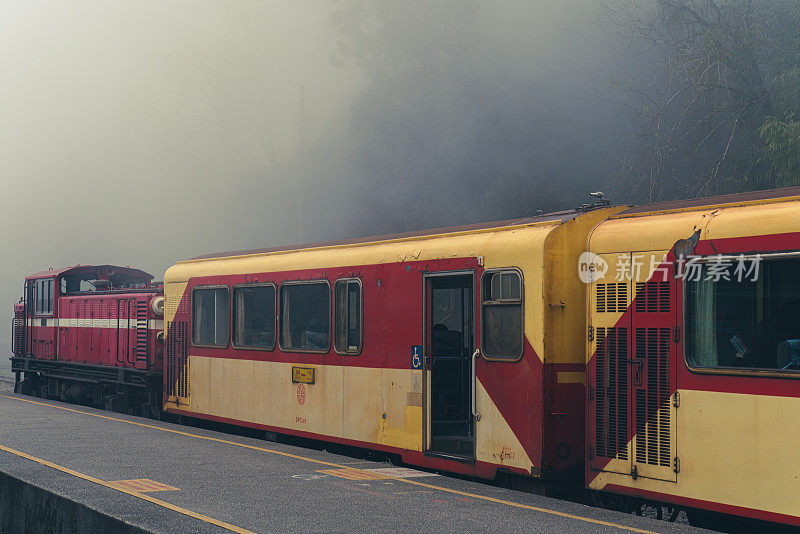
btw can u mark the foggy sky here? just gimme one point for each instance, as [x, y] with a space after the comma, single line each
[141, 133]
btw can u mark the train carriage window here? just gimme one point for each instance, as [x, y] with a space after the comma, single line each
[254, 317]
[210, 316]
[305, 316]
[347, 316]
[753, 323]
[501, 314]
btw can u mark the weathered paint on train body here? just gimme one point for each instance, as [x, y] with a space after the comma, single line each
[531, 409]
[659, 427]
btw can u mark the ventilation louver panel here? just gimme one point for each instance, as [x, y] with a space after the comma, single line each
[612, 298]
[18, 339]
[177, 359]
[611, 393]
[652, 297]
[652, 400]
[141, 330]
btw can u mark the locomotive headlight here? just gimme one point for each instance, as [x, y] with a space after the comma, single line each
[160, 337]
[157, 305]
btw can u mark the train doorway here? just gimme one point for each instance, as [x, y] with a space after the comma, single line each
[450, 339]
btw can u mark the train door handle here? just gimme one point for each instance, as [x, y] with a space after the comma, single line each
[636, 372]
[475, 413]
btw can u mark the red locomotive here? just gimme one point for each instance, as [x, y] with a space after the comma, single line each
[91, 333]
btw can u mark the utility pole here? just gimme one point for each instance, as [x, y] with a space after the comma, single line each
[301, 186]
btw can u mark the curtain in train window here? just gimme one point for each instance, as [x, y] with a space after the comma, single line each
[305, 316]
[347, 316]
[254, 317]
[210, 317]
[749, 323]
[501, 307]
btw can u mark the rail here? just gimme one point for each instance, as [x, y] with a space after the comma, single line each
[119, 330]
[14, 336]
[131, 313]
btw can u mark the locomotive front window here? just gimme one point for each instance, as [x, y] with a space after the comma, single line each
[752, 323]
[254, 317]
[305, 316]
[347, 316]
[501, 320]
[210, 317]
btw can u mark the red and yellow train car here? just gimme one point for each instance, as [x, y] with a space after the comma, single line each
[694, 354]
[458, 349]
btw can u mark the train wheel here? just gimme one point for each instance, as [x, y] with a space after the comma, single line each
[649, 509]
[609, 501]
[154, 405]
[709, 520]
[672, 513]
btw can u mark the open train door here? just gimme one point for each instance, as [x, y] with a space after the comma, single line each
[449, 327]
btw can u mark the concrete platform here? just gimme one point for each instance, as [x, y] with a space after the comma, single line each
[186, 479]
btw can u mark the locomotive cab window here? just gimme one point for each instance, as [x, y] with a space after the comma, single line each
[347, 316]
[44, 297]
[753, 323]
[254, 317]
[501, 314]
[210, 317]
[305, 316]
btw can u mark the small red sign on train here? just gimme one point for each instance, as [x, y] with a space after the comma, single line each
[301, 394]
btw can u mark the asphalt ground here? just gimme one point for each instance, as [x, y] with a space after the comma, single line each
[220, 482]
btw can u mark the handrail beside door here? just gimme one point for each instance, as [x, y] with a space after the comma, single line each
[476, 415]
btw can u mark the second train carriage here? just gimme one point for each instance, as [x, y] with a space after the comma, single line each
[458, 349]
[694, 354]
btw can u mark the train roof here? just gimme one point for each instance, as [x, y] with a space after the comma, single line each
[719, 200]
[554, 217]
[84, 269]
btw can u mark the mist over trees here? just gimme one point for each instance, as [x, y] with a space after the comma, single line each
[680, 98]
[445, 133]
[717, 110]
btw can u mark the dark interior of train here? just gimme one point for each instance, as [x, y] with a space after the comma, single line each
[749, 323]
[451, 335]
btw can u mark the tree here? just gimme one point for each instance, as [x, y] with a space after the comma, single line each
[714, 108]
[442, 135]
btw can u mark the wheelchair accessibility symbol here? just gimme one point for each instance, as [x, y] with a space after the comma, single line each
[416, 356]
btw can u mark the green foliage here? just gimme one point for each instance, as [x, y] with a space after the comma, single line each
[781, 146]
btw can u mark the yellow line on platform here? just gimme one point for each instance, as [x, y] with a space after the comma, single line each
[323, 462]
[159, 502]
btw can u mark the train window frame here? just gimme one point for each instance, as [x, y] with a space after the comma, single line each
[334, 308]
[279, 313]
[501, 302]
[233, 317]
[39, 308]
[683, 321]
[191, 315]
